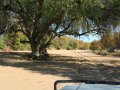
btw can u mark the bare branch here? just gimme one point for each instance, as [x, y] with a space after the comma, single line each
[80, 34]
[49, 41]
[68, 26]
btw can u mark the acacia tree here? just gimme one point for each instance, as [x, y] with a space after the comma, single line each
[42, 20]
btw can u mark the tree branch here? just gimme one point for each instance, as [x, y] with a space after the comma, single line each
[48, 42]
[37, 18]
[20, 5]
[46, 29]
[80, 34]
[24, 41]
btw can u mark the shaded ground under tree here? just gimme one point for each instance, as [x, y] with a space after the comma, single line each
[62, 66]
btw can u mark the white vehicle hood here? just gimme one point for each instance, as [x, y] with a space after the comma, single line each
[92, 87]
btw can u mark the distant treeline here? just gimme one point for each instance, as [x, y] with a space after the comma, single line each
[68, 43]
[14, 43]
[109, 41]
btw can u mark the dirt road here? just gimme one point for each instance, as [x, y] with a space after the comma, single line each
[16, 73]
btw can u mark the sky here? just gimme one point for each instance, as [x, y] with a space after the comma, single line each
[89, 38]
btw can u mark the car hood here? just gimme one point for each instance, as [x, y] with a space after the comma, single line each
[92, 87]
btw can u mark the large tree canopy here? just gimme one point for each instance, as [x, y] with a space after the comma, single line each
[42, 20]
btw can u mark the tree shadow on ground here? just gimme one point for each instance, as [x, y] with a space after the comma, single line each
[62, 66]
[14, 55]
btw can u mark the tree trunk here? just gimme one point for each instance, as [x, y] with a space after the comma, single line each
[35, 51]
[38, 52]
[43, 52]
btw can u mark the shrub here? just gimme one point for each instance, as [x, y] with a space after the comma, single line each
[69, 48]
[2, 44]
[94, 46]
[103, 52]
[117, 53]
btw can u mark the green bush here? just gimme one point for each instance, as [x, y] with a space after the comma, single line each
[66, 43]
[69, 48]
[2, 44]
[94, 46]
[15, 42]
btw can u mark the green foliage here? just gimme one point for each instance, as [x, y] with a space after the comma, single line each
[2, 44]
[43, 20]
[15, 42]
[85, 45]
[17, 45]
[107, 41]
[95, 45]
[74, 44]
[54, 12]
[68, 43]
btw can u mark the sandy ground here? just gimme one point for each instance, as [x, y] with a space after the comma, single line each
[16, 73]
[88, 56]
[19, 79]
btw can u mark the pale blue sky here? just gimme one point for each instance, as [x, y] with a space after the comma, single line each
[89, 38]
